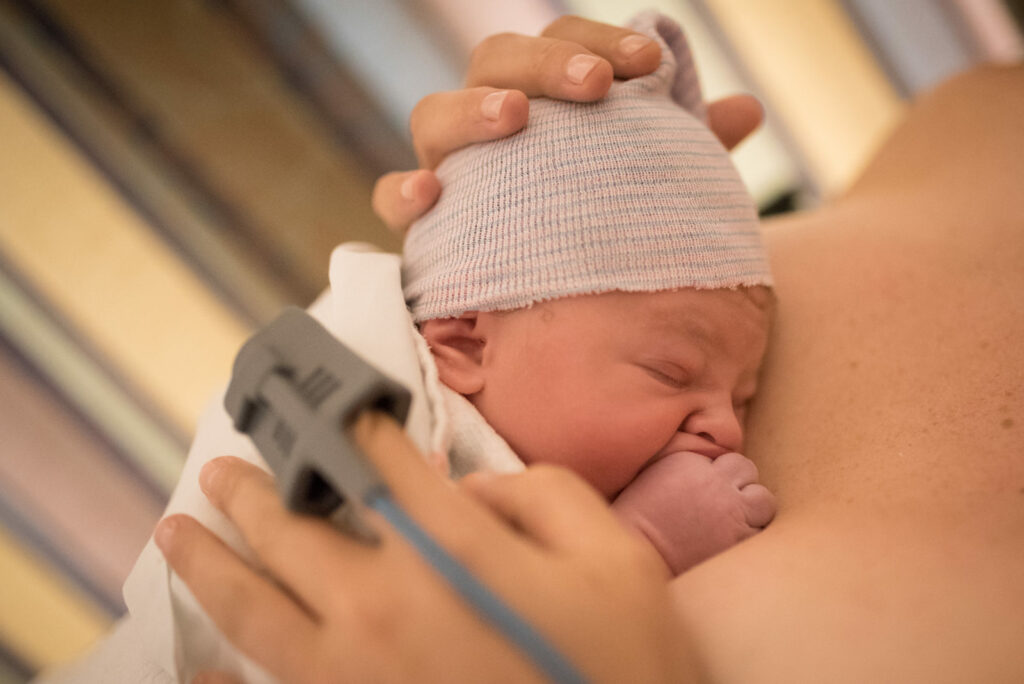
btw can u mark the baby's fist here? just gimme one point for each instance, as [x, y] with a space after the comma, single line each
[692, 507]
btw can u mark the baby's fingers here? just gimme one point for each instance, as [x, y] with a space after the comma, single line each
[737, 468]
[759, 505]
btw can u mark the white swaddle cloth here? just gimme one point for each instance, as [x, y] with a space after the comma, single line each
[167, 637]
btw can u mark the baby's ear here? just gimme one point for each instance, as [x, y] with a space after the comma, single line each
[458, 348]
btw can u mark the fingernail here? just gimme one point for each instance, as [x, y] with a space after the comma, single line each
[580, 66]
[490, 107]
[164, 532]
[407, 189]
[630, 45]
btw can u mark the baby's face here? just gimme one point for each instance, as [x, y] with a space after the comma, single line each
[605, 384]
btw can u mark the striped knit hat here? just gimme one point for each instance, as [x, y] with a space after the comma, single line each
[630, 193]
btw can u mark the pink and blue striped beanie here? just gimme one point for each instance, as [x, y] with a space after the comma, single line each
[631, 193]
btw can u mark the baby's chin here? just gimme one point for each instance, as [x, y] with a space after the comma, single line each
[607, 484]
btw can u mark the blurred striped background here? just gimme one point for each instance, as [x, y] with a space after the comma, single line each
[172, 173]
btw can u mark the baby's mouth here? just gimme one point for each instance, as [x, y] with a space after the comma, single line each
[685, 441]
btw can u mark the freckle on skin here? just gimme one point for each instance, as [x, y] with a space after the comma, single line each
[983, 344]
[854, 365]
[1007, 423]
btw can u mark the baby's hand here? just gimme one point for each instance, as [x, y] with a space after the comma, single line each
[692, 507]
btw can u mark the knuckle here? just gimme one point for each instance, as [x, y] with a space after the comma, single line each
[378, 188]
[381, 188]
[379, 200]
[425, 154]
[426, 123]
[416, 118]
[418, 110]
[487, 47]
[554, 52]
[420, 115]
[559, 25]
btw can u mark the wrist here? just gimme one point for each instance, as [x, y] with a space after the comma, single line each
[640, 528]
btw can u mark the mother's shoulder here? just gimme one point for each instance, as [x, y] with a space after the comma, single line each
[942, 192]
[899, 313]
[956, 161]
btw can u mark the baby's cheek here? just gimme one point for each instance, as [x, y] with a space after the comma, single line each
[611, 455]
[584, 449]
[642, 431]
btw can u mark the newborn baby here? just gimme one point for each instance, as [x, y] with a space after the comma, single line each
[596, 287]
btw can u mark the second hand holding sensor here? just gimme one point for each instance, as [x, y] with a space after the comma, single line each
[295, 390]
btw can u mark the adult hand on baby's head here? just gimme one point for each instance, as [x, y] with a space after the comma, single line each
[692, 507]
[574, 59]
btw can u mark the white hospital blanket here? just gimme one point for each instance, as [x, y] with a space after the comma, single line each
[166, 637]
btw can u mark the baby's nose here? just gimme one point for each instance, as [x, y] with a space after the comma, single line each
[718, 424]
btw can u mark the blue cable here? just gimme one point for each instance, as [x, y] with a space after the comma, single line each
[487, 604]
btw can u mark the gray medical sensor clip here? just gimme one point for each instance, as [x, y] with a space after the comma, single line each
[295, 391]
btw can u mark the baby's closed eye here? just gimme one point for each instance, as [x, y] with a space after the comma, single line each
[666, 372]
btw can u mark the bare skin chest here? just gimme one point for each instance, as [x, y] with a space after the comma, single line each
[891, 421]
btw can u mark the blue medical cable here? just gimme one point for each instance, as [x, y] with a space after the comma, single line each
[486, 602]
